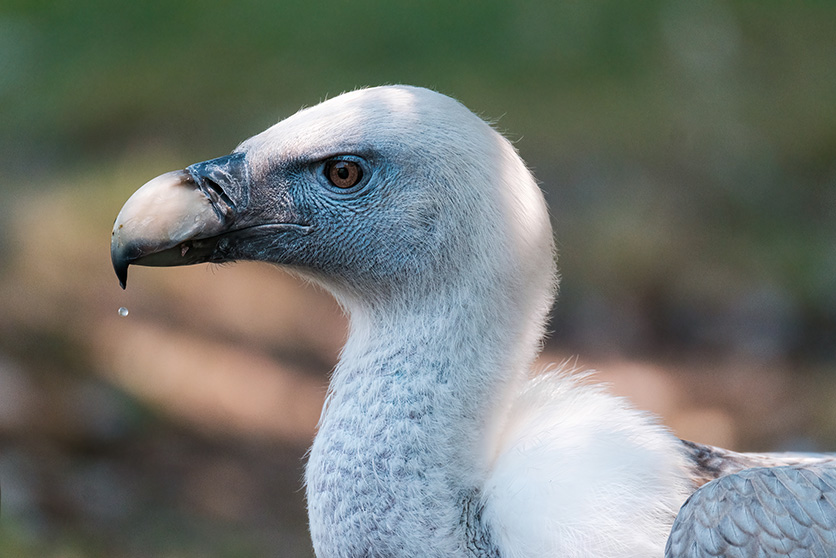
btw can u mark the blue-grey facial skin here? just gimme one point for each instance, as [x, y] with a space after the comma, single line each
[262, 218]
[371, 236]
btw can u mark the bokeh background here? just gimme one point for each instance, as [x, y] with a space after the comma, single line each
[687, 150]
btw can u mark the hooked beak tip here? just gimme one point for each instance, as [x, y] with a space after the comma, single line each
[120, 264]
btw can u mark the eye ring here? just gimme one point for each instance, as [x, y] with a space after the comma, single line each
[343, 173]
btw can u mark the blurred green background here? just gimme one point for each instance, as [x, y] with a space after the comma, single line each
[687, 150]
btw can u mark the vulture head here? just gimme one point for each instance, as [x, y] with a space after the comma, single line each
[387, 196]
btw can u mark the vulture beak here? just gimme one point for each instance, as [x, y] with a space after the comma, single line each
[181, 217]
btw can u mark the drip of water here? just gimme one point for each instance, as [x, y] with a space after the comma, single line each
[123, 311]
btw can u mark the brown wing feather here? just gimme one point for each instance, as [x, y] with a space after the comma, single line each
[709, 462]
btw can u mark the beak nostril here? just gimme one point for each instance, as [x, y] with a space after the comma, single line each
[222, 204]
[223, 181]
[218, 191]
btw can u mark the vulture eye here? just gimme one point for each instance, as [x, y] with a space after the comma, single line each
[343, 174]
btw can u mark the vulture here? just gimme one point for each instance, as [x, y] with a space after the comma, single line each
[436, 439]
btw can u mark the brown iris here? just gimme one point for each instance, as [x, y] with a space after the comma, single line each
[343, 174]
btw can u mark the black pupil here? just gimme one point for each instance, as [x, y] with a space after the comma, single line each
[342, 171]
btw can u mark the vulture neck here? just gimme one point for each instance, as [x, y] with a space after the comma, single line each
[407, 433]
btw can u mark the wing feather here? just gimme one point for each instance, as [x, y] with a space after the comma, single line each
[760, 512]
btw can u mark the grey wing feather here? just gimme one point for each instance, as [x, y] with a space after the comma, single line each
[760, 512]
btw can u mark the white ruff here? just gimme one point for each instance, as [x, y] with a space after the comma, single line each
[579, 473]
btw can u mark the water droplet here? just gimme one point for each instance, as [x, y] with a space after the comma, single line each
[123, 311]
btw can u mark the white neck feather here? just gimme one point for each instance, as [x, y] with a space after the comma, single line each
[404, 436]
